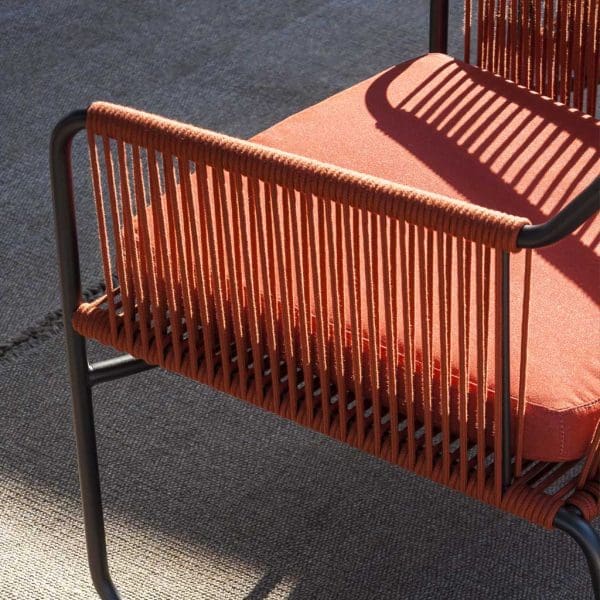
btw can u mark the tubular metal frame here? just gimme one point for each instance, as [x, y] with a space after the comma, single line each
[438, 26]
[84, 375]
[79, 369]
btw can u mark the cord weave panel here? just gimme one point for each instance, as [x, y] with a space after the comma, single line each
[549, 46]
[348, 304]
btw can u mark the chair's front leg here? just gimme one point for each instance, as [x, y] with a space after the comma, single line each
[572, 522]
[89, 477]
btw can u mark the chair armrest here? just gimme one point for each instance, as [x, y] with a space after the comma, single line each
[307, 176]
[580, 209]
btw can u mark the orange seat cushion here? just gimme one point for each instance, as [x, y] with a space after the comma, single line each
[441, 125]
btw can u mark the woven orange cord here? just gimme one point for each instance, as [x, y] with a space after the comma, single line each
[315, 292]
[549, 47]
[467, 18]
[587, 496]
[592, 463]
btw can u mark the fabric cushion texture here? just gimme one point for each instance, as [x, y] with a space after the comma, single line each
[438, 124]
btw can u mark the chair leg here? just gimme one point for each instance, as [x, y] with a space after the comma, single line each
[83, 414]
[83, 423]
[570, 520]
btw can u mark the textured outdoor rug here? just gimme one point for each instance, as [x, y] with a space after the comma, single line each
[207, 498]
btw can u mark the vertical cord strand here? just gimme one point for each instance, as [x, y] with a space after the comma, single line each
[173, 259]
[302, 276]
[281, 226]
[444, 318]
[468, 18]
[388, 243]
[102, 232]
[519, 436]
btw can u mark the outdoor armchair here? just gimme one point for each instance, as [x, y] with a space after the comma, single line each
[367, 268]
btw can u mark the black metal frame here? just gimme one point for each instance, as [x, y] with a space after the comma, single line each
[84, 375]
[438, 26]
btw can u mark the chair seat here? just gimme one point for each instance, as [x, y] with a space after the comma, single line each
[441, 125]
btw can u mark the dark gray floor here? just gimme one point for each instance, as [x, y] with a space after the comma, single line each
[177, 457]
[202, 467]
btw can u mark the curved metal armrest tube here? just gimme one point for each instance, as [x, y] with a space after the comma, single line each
[60, 171]
[65, 129]
[579, 210]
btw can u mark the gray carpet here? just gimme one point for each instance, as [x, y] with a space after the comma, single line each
[207, 497]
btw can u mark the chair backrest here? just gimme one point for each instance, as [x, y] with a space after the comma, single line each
[549, 46]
